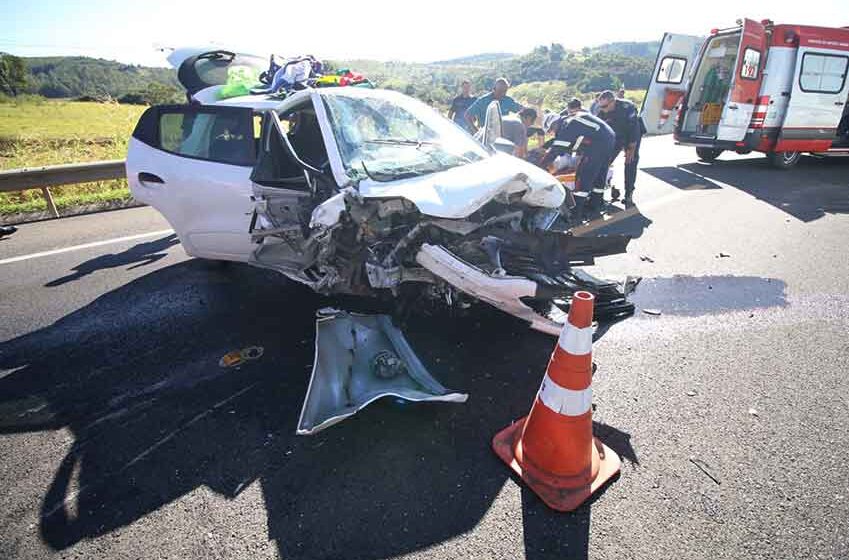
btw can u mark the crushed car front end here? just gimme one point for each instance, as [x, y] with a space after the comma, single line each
[419, 212]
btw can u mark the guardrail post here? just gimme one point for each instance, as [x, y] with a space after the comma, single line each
[51, 205]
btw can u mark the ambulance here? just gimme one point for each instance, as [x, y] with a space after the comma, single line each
[777, 89]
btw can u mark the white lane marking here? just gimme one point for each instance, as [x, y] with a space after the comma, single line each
[20, 258]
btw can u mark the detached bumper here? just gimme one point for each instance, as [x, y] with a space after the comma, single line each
[521, 297]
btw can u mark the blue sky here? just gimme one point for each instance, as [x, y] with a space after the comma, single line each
[397, 30]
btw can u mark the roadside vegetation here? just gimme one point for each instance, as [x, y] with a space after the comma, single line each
[35, 131]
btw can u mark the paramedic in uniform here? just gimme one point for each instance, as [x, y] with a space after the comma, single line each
[594, 139]
[624, 119]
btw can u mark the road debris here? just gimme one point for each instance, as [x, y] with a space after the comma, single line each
[646, 258]
[652, 311]
[359, 359]
[723, 255]
[753, 412]
[630, 284]
[691, 393]
[703, 467]
[236, 358]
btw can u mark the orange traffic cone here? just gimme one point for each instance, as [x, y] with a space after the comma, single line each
[553, 448]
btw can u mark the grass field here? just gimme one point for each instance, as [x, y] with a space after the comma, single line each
[41, 132]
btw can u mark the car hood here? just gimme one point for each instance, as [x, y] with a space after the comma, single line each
[461, 191]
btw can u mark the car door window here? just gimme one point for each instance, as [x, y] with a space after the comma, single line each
[220, 136]
[217, 134]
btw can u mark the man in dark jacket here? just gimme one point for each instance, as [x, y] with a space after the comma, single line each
[460, 104]
[624, 119]
[591, 137]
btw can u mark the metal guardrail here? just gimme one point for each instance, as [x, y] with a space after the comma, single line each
[55, 175]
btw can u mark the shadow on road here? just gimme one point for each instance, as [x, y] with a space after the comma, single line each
[814, 188]
[135, 377]
[138, 255]
[704, 295]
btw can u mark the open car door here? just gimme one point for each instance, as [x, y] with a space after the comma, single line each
[672, 68]
[291, 177]
[193, 164]
[746, 83]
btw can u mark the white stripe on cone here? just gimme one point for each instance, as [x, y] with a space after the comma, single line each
[576, 341]
[565, 401]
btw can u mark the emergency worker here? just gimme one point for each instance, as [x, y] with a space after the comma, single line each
[624, 119]
[594, 140]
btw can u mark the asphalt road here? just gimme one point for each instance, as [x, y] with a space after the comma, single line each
[121, 437]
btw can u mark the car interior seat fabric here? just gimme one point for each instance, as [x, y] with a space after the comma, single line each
[275, 167]
[307, 141]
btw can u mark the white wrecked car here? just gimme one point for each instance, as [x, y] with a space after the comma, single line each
[364, 192]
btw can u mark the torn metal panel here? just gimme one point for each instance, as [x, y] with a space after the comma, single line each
[503, 292]
[359, 359]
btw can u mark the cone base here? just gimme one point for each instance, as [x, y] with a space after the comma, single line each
[557, 497]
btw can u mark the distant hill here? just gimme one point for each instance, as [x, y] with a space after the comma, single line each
[75, 76]
[474, 60]
[591, 69]
[645, 49]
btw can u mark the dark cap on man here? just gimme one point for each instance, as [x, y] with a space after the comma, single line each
[607, 95]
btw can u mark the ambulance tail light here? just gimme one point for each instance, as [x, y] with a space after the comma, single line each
[759, 114]
[714, 31]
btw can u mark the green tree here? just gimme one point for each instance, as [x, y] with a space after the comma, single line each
[13, 74]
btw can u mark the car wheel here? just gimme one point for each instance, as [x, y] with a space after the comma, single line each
[708, 154]
[784, 160]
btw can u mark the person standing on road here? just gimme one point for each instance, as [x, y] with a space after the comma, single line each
[624, 119]
[460, 104]
[587, 134]
[476, 113]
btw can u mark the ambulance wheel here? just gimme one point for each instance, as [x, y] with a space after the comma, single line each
[708, 154]
[784, 160]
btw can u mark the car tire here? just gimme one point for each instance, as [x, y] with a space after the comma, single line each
[784, 160]
[708, 154]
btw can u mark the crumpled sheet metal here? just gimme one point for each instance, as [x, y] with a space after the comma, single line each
[359, 359]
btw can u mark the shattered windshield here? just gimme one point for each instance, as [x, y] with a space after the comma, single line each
[397, 137]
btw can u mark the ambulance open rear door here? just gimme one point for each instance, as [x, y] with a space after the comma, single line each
[672, 68]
